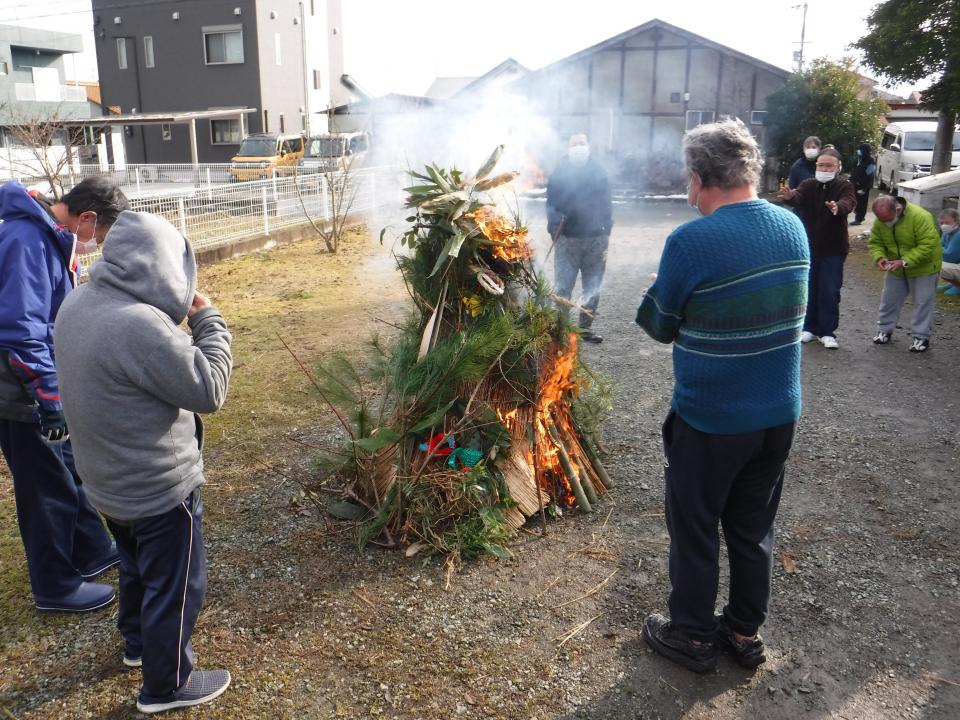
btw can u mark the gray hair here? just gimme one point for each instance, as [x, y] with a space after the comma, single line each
[724, 154]
[950, 213]
[884, 202]
[813, 139]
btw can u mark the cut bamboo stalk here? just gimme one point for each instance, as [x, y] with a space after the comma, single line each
[587, 485]
[575, 452]
[571, 474]
[594, 456]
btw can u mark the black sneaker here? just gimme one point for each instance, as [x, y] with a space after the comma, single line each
[202, 686]
[591, 337]
[920, 345]
[664, 639]
[748, 653]
[881, 338]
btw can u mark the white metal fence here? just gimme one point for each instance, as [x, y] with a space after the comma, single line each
[212, 215]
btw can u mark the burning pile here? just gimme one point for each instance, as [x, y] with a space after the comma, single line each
[484, 412]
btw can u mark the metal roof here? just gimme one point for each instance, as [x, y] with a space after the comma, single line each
[171, 118]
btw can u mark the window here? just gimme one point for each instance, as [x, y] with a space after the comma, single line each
[165, 131]
[313, 10]
[282, 128]
[225, 132]
[148, 51]
[317, 77]
[698, 117]
[888, 140]
[291, 146]
[277, 45]
[675, 97]
[122, 53]
[758, 117]
[223, 45]
[266, 121]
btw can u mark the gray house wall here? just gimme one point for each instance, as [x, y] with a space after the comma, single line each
[632, 96]
[180, 80]
[24, 48]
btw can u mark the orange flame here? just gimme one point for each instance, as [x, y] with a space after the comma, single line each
[557, 385]
[511, 241]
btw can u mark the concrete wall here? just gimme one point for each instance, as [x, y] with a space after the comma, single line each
[281, 71]
[23, 49]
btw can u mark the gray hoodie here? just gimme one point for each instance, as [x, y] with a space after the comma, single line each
[131, 380]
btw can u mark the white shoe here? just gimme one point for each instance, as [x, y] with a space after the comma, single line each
[807, 336]
[829, 342]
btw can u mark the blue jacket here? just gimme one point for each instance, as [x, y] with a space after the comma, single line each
[801, 170]
[36, 261]
[951, 246]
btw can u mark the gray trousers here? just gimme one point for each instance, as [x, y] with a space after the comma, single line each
[895, 290]
[586, 257]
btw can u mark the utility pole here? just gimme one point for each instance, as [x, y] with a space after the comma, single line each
[798, 54]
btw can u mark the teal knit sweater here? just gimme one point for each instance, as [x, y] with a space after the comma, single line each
[731, 294]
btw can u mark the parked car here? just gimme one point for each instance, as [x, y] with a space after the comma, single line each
[906, 152]
[334, 151]
[262, 153]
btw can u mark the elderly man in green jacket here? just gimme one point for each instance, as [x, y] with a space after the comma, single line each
[905, 244]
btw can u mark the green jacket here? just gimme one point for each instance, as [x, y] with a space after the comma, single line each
[914, 239]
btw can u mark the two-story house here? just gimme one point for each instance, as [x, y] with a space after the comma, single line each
[280, 58]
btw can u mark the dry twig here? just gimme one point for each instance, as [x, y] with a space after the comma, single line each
[576, 631]
[592, 591]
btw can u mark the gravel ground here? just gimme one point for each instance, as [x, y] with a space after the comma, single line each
[865, 614]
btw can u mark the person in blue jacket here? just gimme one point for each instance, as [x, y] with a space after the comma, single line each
[64, 539]
[805, 167]
[949, 222]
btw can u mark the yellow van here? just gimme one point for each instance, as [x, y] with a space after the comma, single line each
[262, 153]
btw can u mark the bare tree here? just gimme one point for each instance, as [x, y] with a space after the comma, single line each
[47, 142]
[338, 189]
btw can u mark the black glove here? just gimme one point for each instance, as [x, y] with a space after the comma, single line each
[53, 426]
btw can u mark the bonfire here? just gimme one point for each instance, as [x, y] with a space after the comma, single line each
[481, 414]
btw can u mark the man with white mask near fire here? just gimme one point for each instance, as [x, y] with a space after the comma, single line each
[579, 219]
[824, 201]
[730, 295]
[63, 537]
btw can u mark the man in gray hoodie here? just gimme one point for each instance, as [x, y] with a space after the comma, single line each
[132, 383]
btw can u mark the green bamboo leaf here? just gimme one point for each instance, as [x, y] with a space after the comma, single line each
[433, 418]
[457, 243]
[379, 441]
[491, 163]
[443, 256]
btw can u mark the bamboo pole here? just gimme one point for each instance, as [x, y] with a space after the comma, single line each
[575, 452]
[572, 476]
[593, 456]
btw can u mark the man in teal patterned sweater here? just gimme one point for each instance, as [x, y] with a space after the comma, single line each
[730, 295]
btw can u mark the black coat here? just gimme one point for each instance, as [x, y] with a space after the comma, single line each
[864, 171]
[827, 233]
[578, 200]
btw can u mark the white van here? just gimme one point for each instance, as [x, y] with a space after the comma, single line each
[906, 152]
[334, 152]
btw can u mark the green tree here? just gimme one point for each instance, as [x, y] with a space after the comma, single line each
[822, 100]
[910, 40]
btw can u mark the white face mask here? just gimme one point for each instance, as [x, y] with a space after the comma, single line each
[824, 176]
[89, 245]
[947, 228]
[579, 154]
[810, 153]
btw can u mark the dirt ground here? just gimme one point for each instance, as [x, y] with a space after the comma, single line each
[866, 610]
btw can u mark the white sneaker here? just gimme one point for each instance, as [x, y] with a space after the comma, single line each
[807, 336]
[829, 342]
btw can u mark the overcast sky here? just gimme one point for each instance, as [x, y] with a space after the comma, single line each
[401, 46]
